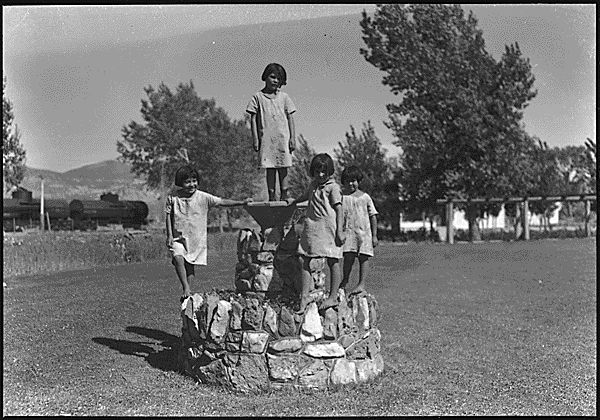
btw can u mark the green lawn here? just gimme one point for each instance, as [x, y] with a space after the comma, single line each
[489, 328]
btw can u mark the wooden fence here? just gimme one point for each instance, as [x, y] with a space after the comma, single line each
[524, 202]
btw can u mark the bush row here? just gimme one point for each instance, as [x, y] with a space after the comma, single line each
[61, 251]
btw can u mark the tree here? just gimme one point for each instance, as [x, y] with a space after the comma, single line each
[299, 174]
[182, 128]
[365, 152]
[459, 118]
[13, 153]
[546, 180]
[577, 166]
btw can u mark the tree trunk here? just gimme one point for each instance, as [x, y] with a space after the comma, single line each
[221, 220]
[518, 225]
[474, 232]
[395, 220]
[229, 220]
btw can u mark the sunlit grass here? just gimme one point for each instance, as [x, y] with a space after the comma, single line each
[467, 329]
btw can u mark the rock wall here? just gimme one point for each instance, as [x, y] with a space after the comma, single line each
[249, 342]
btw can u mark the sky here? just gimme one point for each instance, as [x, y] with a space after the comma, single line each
[75, 74]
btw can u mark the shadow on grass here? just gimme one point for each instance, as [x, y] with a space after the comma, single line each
[164, 359]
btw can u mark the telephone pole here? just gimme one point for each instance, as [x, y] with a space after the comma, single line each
[42, 205]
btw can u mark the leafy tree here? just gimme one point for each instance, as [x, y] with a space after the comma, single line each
[13, 153]
[577, 167]
[459, 118]
[299, 175]
[180, 128]
[546, 180]
[365, 152]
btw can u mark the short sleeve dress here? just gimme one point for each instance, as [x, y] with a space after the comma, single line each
[272, 112]
[190, 218]
[357, 225]
[318, 236]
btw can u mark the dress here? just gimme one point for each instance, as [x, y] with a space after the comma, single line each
[272, 112]
[357, 226]
[318, 236]
[189, 230]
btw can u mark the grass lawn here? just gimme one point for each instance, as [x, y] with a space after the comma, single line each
[489, 328]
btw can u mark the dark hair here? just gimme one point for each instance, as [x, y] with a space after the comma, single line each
[323, 162]
[185, 172]
[352, 173]
[278, 70]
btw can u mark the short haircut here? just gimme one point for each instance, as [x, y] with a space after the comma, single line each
[352, 173]
[322, 162]
[278, 70]
[185, 172]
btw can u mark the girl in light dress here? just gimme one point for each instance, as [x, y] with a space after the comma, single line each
[323, 234]
[186, 224]
[360, 228]
[273, 131]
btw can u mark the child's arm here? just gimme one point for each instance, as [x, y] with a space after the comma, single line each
[292, 132]
[340, 236]
[303, 197]
[169, 220]
[169, 228]
[254, 128]
[373, 220]
[230, 203]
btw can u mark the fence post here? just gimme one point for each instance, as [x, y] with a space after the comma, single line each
[588, 214]
[526, 219]
[450, 222]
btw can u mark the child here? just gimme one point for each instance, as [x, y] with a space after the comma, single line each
[186, 210]
[323, 235]
[273, 131]
[360, 227]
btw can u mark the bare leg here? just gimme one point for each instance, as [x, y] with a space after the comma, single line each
[283, 183]
[349, 258]
[182, 270]
[336, 278]
[271, 183]
[365, 266]
[306, 280]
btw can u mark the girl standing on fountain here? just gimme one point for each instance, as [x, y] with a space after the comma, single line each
[323, 234]
[186, 209]
[273, 131]
[360, 226]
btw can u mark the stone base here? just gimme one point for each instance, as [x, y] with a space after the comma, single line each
[251, 343]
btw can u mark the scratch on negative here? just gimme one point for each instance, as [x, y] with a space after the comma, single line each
[19, 24]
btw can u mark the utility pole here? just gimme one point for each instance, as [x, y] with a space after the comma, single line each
[42, 205]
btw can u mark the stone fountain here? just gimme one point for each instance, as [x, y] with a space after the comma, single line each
[251, 338]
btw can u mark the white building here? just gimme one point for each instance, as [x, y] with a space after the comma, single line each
[489, 222]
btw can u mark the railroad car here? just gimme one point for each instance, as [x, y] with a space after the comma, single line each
[23, 211]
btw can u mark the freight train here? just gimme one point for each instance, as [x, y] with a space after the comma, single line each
[23, 211]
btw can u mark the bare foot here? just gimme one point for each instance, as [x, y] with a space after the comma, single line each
[330, 302]
[304, 301]
[358, 290]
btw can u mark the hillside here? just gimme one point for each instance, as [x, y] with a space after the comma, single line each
[90, 181]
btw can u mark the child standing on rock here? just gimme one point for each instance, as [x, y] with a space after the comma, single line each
[273, 131]
[323, 234]
[186, 209]
[360, 227]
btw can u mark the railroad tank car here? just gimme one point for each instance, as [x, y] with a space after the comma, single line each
[16, 212]
[88, 214]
